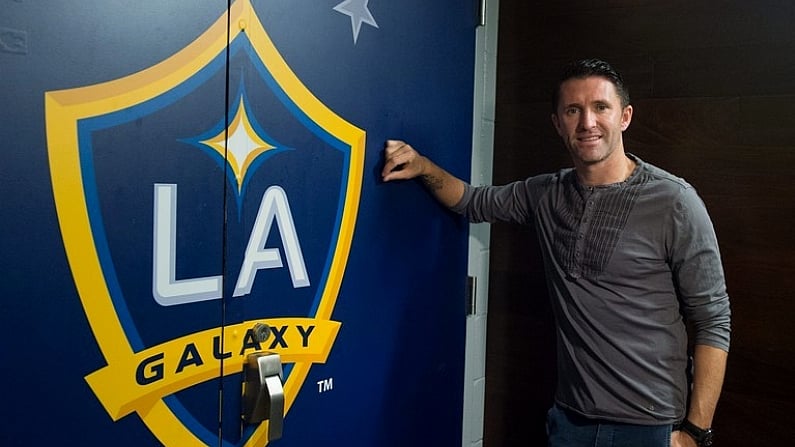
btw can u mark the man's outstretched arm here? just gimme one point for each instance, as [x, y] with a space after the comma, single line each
[402, 162]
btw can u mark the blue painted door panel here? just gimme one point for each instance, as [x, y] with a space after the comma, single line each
[172, 174]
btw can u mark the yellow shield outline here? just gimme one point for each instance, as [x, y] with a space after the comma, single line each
[63, 110]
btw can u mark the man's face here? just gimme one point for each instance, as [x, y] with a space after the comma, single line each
[590, 119]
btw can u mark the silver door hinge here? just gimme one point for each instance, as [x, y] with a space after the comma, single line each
[482, 13]
[471, 295]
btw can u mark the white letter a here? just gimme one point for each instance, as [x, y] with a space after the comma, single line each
[274, 205]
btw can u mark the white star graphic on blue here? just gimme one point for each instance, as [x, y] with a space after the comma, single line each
[358, 12]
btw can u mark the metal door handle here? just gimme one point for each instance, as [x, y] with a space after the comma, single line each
[263, 393]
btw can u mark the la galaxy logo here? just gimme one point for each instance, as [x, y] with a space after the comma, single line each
[196, 198]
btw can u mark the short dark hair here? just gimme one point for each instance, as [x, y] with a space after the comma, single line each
[586, 68]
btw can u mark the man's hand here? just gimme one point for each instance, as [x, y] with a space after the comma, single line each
[682, 439]
[401, 161]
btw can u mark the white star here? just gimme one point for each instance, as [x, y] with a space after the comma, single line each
[358, 12]
[240, 144]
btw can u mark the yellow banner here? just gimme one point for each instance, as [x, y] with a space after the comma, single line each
[139, 381]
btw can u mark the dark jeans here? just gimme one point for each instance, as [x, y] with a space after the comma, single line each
[566, 429]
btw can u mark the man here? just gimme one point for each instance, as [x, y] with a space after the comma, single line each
[630, 256]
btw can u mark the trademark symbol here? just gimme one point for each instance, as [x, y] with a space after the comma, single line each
[325, 385]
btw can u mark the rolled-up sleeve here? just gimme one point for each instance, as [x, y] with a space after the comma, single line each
[511, 203]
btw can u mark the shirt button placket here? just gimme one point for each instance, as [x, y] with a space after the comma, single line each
[582, 230]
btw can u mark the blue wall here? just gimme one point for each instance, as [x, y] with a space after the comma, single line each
[396, 362]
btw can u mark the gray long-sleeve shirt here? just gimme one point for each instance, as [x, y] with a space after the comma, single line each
[624, 263]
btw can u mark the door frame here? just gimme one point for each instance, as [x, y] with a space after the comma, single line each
[479, 234]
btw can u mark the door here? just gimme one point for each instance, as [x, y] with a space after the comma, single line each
[174, 174]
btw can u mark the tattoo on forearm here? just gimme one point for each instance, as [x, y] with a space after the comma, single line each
[432, 183]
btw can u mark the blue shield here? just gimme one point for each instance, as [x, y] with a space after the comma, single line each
[236, 204]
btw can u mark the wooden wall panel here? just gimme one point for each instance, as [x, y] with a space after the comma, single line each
[713, 86]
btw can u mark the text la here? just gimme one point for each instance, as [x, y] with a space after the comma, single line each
[169, 291]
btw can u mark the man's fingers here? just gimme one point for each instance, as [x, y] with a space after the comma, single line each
[400, 161]
[394, 156]
[393, 146]
[394, 176]
[392, 164]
